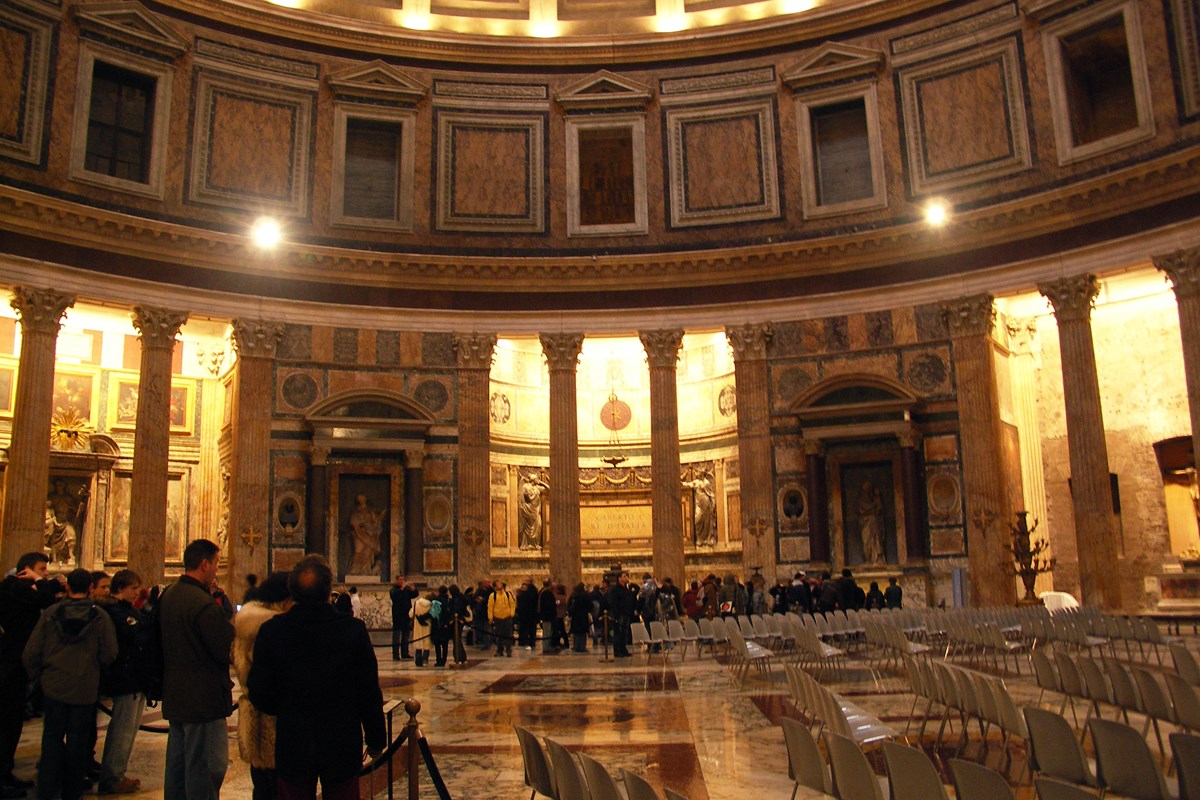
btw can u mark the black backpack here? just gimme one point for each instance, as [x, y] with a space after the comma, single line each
[148, 664]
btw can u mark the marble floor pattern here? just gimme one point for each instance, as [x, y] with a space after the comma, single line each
[683, 723]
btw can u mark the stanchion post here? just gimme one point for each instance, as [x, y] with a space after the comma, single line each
[604, 617]
[412, 707]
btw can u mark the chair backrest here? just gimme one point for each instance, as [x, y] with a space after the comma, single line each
[1053, 748]
[1125, 692]
[911, 773]
[1186, 664]
[674, 630]
[600, 783]
[1186, 700]
[658, 631]
[1054, 789]
[719, 631]
[538, 775]
[1154, 700]
[1069, 675]
[568, 779]
[1186, 748]
[1093, 677]
[637, 633]
[636, 786]
[1124, 763]
[804, 757]
[853, 778]
[693, 630]
[976, 782]
[672, 794]
[1043, 670]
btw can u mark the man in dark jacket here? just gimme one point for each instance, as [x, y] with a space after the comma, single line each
[402, 596]
[72, 642]
[620, 605]
[23, 596]
[123, 683]
[197, 690]
[547, 613]
[527, 615]
[315, 670]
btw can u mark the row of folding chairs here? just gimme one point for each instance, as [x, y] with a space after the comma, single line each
[891, 643]
[827, 709]
[1141, 631]
[559, 774]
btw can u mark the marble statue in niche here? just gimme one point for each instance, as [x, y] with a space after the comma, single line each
[704, 510]
[65, 508]
[870, 523]
[366, 525]
[529, 511]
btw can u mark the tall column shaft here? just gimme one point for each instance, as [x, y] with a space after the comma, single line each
[27, 476]
[1091, 493]
[566, 555]
[749, 343]
[970, 320]
[474, 355]
[666, 497]
[316, 539]
[818, 502]
[414, 515]
[914, 508]
[250, 487]
[1183, 268]
[152, 441]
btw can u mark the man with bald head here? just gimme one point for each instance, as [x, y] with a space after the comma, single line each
[315, 670]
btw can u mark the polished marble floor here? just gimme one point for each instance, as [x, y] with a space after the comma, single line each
[687, 724]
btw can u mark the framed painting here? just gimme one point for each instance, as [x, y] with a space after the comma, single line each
[76, 400]
[123, 402]
[120, 498]
[8, 386]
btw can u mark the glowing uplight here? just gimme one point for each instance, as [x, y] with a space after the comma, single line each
[796, 6]
[289, 3]
[266, 233]
[546, 29]
[937, 213]
[416, 21]
[668, 23]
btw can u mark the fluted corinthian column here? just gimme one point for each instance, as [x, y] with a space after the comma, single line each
[818, 501]
[254, 342]
[914, 493]
[27, 477]
[662, 354]
[749, 343]
[970, 320]
[152, 441]
[562, 356]
[1091, 493]
[1183, 268]
[474, 354]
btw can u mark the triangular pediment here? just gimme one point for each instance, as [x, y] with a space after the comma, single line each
[131, 25]
[832, 62]
[376, 80]
[604, 89]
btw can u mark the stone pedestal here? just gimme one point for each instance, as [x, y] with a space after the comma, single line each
[474, 354]
[1091, 493]
[562, 356]
[666, 497]
[970, 320]
[749, 343]
[818, 502]
[152, 441]
[27, 476]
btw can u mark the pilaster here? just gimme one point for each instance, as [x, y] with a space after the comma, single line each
[473, 352]
[749, 343]
[562, 357]
[1183, 269]
[666, 498]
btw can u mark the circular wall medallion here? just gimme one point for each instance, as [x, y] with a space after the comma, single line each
[792, 382]
[501, 408]
[438, 516]
[615, 415]
[927, 372]
[727, 401]
[432, 394]
[300, 390]
[943, 496]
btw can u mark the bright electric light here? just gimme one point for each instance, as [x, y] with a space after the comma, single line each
[416, 21]
[266, 233]
[937, 213]
[545, 29]
[669, 23]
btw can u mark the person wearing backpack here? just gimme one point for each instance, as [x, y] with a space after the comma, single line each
[421, 625]
[438, 632]
[72, 642]
[122, 682]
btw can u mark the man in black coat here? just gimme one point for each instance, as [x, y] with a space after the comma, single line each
[527, 615]
[402, 596]
[620, 605]
[547, 613]
[314, 669]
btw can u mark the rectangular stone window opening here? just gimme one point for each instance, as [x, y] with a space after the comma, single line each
[120, 123]
[607, 191]
[372, 169]
[1098, 79]
[841, 152]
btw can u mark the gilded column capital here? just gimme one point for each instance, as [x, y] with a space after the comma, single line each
[561, 350]
[813, 447]
[972, 315]
[1021, 331]
[662, 347]
[256, 338]
[749, 341]
[1183, 268]
[158, 326]
[1072, 298]
[474, 350]
[41, 310]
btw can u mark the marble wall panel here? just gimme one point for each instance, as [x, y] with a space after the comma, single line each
[25, 44]
[439, 561]
[1183, 18]
[343, 380]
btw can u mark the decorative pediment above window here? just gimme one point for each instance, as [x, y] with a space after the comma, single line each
[377, 81]
[1042, 10]
[130, 25]
[832, 62]
[604, 89]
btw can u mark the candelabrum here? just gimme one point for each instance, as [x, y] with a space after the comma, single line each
[1029, 556]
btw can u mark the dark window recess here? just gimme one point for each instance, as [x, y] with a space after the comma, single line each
[1099, 81]
[841, 152]
[120, 123]
[606, 188]
[372, 169]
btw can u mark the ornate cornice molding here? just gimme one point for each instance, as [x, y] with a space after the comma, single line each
[474, 350]
[256, 338]
[41, 310]
[662, 347]
[749, 342]
[970, 316]
[158, 326]
[1073, 298]
[562, 350]
[1183, 268]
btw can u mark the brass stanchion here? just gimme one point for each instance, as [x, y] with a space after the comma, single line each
[412, 707]
[604, 618]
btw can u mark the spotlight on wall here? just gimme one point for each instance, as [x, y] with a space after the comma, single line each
[937, 213]
[266, 233]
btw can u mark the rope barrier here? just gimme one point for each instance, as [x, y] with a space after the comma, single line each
[148, 728]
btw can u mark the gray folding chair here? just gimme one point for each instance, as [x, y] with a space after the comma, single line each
[1186, 748]
[600, 783]
[976, 782]
[672, 795]
[806, 766]
[1186, 664]
[537, 766]
[1054, 789]
[636, 786]
[1125, 765]
[1054, 750]
[853, 778]
[911, 774]
[568, 779]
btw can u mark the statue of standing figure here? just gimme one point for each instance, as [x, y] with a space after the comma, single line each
[704, 511]
[870, 523]
[366, 525]
[529, 511]
[64, 517]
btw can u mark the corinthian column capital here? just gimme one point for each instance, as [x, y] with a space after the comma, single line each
[474, 350]
[256, 338]
[1072, 298]
[749, 341]
[158, 326]
[662, 347]
[972, 315]
[1183, 268]
[562, 350]
[41, 310]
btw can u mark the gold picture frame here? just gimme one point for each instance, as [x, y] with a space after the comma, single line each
[8, 386]
[76, 395]
[122, 404]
